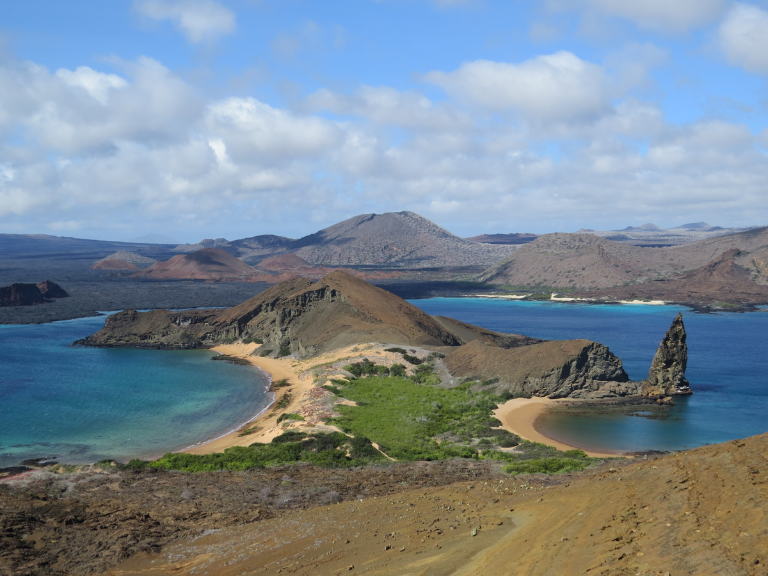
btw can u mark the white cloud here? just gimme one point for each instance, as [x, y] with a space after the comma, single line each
[386, 105]
[744, 38]
[96, 84]
[663, 15]
[251, 128]
[199, 20]
[553, 88]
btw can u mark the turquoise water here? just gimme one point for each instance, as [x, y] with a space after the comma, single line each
[87, 404]
[727, 367]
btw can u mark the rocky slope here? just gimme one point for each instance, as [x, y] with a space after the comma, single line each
[721, 280]
[589, 262]
[21, 294]
[512, 238]
[205, 264]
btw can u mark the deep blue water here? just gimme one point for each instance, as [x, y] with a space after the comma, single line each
[87, 404]
[727, 367]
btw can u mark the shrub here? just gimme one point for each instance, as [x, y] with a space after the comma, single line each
[546, 466]
[397, 370]
[284, 351]
[289, 416]
[415, 360]
[397, 350]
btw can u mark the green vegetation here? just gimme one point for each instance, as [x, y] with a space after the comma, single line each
[281, 383]
[289, 416]
[284, 351]
[283, 402]
[252, 340]
[396, 350]
[405, 418]
[328, 450]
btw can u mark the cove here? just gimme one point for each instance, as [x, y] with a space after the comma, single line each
[87, 404]
[727, 367]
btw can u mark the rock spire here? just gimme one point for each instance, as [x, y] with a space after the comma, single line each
[667, 373]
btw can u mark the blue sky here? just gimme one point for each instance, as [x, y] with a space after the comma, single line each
[208, 118]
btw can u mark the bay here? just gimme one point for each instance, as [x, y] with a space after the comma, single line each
[727, 367]
[87, 404]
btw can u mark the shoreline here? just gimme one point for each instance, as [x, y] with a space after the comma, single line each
[275, 370]
[519, 416]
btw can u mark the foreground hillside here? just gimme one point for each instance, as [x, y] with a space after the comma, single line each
[698, 512]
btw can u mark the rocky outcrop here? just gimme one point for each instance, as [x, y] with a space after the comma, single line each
[570, 368]
[667, 374]
[114, 265]
[556, 369]
[29, 294]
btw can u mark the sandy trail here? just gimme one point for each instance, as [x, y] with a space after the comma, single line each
[519, 416]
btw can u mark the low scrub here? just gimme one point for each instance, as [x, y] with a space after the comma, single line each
[330, 450]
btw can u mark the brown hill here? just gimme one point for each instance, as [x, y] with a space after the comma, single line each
[114, 265]
[205, 264]
[589, 262]
[283, 263]
[721, 280]
[297, 316]
[699, 512]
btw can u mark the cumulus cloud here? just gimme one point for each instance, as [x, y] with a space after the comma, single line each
[744, 37]
[663, 15]
[199, 20]
[555, 87]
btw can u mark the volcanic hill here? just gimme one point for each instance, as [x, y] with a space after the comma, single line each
[394, 239]
[205, 264]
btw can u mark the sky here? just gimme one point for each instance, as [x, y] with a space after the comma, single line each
[232, 118]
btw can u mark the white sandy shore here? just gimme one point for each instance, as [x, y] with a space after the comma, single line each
[519, 416]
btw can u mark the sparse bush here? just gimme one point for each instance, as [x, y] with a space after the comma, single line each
[284, 351]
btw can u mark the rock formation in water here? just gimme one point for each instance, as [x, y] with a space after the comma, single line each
[29, 294]
[667, 373]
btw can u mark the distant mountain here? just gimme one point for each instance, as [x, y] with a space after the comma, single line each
[514, 238]
[588, 261]
[651, 235]
[394, 239]
[153, 239]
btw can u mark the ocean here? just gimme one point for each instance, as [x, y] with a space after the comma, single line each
[727, 367]
[87, 404]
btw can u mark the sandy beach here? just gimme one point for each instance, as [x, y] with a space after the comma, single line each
[519, 416]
